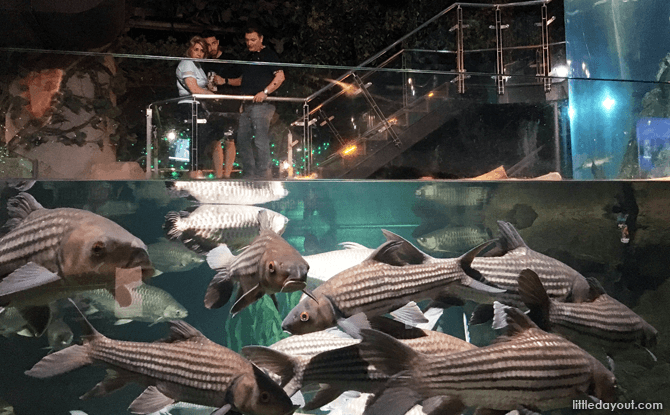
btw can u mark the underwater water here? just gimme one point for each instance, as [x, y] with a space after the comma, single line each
[616, 232]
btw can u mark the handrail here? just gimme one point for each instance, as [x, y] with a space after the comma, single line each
[420, 27]
[189, 98]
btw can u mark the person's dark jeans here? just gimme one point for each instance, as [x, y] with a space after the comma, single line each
[253, 139]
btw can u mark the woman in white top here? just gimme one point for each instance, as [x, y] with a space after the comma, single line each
[191, 79]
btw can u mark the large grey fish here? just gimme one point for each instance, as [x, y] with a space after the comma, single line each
[48, 254]
[172, 256]
[453, 238]
[229, 192]
[394, 274]
[603, 322]
[502, 266]
[149, 304]
[450, 194]
[267, 266]
[327, 264]
[334, 363]
[185, 367]
[209, 226]
[526, 368]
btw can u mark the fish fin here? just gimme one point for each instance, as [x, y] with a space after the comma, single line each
[219, 290]
[352, 245]
[481, 314]
[264, 220]
[122, 321]
[509, 237]
[535, 297]
[396, 329]
[113, 381]
[181, 331]
[26, 278]
[170, 225]
[399, 251]
[25, 333]
[157, 272]
[223, 410]
[88, 331]
[442, 405]
[517, 323]
[352, 326]
[18, 208]
[247, 299]
[298, 399]
[61, 362]
[278, 363]
[409, 314]
[38, 318]
[465, 260]
[433, 314]
[387, 354]
[325, 395]
[274, 301]
[396, 399]
[151, 400]
[220, 257]
[499, 316]
[595, 288]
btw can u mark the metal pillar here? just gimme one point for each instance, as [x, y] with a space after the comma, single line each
[307, 138]
[460, 62]
[194, 135]
[500, 64]
[546, 56]
[149, 131]
[378, 111]
[326, 121]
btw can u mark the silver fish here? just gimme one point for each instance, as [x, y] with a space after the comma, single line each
[59, 335]
[229, 192]
[325, 265]
[268, 265]
[209, 226]
[335, 363]
[453, 239]
[11, 322]
[526, 368]
[48, 254]
[394, 274]
[501, 268]
[448, 194]
[149, 304]
[172, 256]
[603, 323]
[185, 367]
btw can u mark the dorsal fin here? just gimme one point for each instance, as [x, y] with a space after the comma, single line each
[18, 208]
[466, 259]
[398, 251]
[88, 331]
[517, 322]
[509, 237]
[595, 288]
[181, 331]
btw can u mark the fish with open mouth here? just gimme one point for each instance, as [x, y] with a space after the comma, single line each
[267, 266]
[185, 367]
[602, 322]
[48, 254]
[501, 267]
[525, 368]
[393, 275]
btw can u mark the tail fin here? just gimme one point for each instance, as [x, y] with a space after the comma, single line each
[61, 362]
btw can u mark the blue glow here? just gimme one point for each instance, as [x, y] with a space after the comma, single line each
[608, 103]
[571, 111]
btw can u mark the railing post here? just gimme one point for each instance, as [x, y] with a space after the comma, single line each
[194, 135]
[460, 51]
[378, 111]
[500, 64]
[149, 132]
[546, 56]
[307, 139]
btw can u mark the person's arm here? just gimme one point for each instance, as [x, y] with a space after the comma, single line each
[193, 87]
[235, 81]
[274, 85]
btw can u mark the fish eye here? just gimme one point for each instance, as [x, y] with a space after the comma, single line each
[271, 266]
[265, 397]
[98, 248]
[304, 316]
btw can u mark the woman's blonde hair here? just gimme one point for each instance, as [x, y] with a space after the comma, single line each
[196, 40]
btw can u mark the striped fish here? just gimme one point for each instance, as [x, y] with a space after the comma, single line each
[603, 323]
[501, 268]
[527, 368]
[185, 367]
[47, 254]
[333, 362]
[394, 274]
[267, 266]
[229, 192]
[209, 226]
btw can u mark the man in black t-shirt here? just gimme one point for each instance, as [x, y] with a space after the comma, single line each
[224, 113]
[253, 139]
